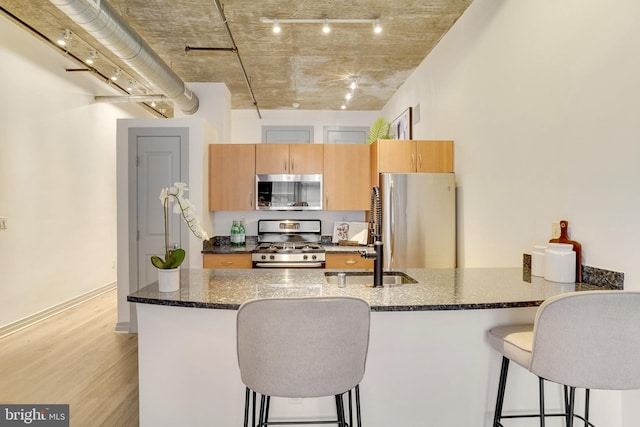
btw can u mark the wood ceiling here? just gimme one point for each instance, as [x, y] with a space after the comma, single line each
[301, 65]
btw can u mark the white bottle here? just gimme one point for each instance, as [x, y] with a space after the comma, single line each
[560, 263]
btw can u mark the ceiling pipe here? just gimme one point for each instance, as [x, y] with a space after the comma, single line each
[234, 49]
[131, 98]
[99, 19]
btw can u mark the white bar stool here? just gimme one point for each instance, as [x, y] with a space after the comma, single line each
[302, 348]
[588, 340]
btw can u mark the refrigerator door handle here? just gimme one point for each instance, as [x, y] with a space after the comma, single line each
[392, 221]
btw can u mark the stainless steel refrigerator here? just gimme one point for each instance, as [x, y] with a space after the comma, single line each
[418, 220]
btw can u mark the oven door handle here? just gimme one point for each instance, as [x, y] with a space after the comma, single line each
[290, 264]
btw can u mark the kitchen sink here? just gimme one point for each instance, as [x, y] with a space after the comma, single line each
[389, 278]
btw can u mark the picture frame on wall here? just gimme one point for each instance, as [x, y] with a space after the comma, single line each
[402, 126]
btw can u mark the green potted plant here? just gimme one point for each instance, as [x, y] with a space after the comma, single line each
[169, 267]
[379, 130]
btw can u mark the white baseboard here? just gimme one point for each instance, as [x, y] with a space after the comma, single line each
[122, 328]
[14, 327]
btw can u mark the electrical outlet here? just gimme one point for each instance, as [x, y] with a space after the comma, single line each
[3, 223]
[555, 230]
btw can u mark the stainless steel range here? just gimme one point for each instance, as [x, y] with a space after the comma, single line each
[289, 244]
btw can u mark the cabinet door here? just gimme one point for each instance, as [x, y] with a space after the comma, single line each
[347, 261]
[434, 156]
[232, 176]
[396, 155]
[305, 158]
[272, 158]
[226, 261]
[346, 177]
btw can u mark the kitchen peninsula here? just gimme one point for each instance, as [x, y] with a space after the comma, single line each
[428, 352]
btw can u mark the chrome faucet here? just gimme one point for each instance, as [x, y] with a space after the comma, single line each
[375, 229]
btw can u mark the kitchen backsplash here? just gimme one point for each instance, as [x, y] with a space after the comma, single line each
[590, 275]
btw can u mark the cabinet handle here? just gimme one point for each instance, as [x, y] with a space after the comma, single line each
[285, 166]
[350, 262]
[419, 162]
[227, 263]
[326, 202]
[413, 161]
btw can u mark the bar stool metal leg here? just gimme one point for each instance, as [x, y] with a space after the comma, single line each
[501, 387]
[358, 415]
[542, 413]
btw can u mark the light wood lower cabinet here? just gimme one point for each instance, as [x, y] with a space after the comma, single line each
[347, 261]
[226, 261]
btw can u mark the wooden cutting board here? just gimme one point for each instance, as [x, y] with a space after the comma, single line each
[577, 247]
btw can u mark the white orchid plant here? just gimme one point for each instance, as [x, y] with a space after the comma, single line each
[174, 257]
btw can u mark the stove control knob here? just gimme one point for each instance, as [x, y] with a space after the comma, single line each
[313, 257]
[272, 257]
[305, 257]
[263, 257]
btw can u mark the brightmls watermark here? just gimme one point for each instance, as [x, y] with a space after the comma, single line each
[34, 415]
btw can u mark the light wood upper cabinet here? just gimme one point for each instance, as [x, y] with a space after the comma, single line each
[434, 156]
[289, 158]
[346, 177]
[406, 156]
[232, 177]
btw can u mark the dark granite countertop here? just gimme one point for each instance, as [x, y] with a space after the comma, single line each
[436, 289]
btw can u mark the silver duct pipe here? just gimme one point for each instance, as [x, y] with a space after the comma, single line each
[99, 19]
[131, 98]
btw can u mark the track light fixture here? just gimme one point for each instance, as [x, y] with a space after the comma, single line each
[322, 21]
[325, 27]
[91, 57]
[64, 38]
[276, 26]
[376, 26]
[115, 74]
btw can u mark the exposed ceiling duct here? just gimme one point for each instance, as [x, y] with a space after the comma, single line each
[105, 24]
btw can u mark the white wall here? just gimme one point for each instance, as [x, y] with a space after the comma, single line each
[58, 175]
[542, 100]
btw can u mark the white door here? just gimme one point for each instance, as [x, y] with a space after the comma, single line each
[158, 158]
[158, 167]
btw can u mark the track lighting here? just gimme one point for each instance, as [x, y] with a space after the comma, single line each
[376, 26]
[354, 83]
[115, 75]
[323, 21]
[325, 27]
[348, 96]
[64, 38]
[91, 56]
[276, 26]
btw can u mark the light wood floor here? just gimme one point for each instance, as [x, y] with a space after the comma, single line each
[75, 358]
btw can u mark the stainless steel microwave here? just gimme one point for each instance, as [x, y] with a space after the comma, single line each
[288, 192]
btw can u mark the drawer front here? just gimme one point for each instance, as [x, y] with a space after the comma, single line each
[345, 261]
[226, 261]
